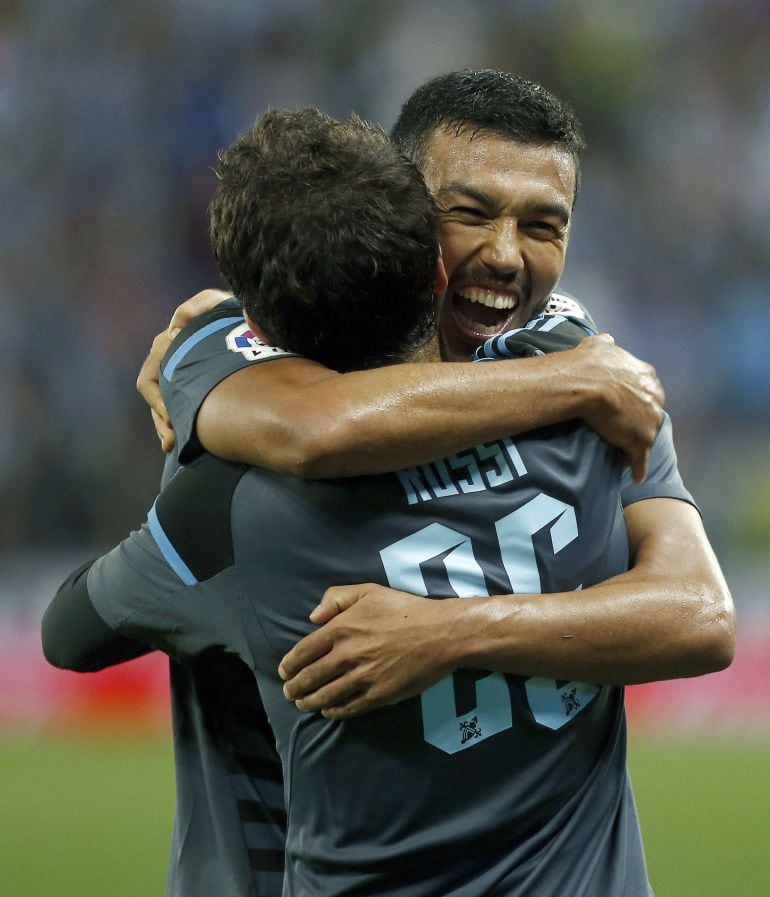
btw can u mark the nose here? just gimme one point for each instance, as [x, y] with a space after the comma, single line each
[501, 249]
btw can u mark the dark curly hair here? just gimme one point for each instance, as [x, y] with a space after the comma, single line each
[328, 236]
[488, 102]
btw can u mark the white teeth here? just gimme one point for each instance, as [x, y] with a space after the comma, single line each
[488, 298]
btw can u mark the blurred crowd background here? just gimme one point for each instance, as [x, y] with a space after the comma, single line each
[111, 115]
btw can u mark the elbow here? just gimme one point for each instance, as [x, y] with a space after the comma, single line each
[316, 452]
[58, 652]
[58, 656]
[722, 648]
[302, 462]
[63, 659]
[717, 633]
[51, 645]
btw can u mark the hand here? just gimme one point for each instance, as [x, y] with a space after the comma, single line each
[629, 409]
[148, 384]
[148, 381]
[192, 308]
[377, 646]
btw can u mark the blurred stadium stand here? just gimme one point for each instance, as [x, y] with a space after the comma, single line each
[110, 119]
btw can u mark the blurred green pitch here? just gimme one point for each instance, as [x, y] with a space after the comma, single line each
[93, 818]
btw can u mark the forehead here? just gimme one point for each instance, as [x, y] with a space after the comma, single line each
[497, 166]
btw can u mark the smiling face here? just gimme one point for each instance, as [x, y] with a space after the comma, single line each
[505, 212]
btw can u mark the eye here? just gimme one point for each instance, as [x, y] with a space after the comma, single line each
[544, 229]
[468, 214]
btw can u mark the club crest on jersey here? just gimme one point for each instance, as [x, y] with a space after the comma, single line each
[241, 339]
[559, 304]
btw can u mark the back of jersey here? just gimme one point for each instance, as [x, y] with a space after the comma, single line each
[485, 784]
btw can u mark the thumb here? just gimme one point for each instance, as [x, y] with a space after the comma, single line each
[605, 337]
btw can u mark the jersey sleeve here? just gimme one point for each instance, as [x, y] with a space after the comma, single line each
[544, 334]
[75, 637]
[171, 584]
[663, 477]
[212, 347]
[554, 332]
[562, 303]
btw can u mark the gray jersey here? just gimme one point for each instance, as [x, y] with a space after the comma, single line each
[230, 822]
[484, 784]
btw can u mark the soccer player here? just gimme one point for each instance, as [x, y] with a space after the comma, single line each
[443, 793]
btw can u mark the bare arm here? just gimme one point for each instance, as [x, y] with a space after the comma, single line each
[298, 417]
[669, 616]
[295, 416]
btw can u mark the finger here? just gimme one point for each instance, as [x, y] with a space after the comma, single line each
[336, 694]
[639, 464]
[199, 303]
[148, 381]
[159, 412]
[311, 678]
[168, 441]
[358, 703]
[164, 429]
[310, 649]
[335, 600]
[605, 337]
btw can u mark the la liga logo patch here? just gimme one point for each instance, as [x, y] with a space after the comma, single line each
[241, 339]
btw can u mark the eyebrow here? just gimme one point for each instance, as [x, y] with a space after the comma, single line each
[557, 209]
[465, 190]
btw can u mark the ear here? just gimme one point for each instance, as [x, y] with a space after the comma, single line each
[441, 282]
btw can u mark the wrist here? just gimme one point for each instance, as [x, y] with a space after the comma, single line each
[583, 385]
[479, 631]
[571, 388]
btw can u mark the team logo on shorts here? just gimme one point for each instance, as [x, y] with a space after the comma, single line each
[241, 339]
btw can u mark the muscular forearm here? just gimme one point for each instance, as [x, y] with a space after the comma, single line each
[669, 616]
[311, 422]
[630, 629]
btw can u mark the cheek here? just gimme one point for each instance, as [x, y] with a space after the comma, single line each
[546, 262]
[457, 244]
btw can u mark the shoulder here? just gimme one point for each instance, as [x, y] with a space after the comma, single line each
[210, 349]
[192, 514]
[220, 330]
[542, 335]
[562, 303]
[663, 477]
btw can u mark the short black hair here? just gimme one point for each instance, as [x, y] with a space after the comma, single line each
[487, 101]
[329, 237]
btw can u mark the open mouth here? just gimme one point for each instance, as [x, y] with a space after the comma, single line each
[480, 312]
